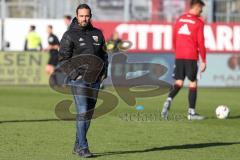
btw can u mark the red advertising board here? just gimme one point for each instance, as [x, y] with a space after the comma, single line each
[156, 37]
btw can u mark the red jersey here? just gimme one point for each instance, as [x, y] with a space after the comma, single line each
[188, 38]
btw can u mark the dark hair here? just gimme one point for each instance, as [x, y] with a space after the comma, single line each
[50, 26]
[32, 27]
[193, 2]
[68, 17]
[84, 6]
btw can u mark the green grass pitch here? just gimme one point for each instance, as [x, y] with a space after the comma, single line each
[29, 129]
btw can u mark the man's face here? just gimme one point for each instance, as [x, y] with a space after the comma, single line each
[49, 30]
[67, 21]
[83, 17]
[198, 9]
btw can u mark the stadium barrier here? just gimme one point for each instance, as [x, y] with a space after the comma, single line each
[23, 68]
[223, 70]
[146, 37]
[28, 68]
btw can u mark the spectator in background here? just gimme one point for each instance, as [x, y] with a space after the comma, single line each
[67, 20]
[234, 62]
[113, 46]
[113, 43]
[33, 40]
[58, 76]
[53, 46]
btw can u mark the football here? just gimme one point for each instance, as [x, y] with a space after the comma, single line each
[222, 112]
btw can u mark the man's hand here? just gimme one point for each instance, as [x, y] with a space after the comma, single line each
[203, 67]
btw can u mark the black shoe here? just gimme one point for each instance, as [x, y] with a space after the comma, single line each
[75, 151]
[85, 153]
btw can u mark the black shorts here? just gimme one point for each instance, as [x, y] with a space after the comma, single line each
[185, 67]
[53, 59]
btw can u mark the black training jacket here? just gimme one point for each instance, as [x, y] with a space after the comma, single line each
[80, 41]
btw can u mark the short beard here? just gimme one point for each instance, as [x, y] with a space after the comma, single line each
[84, 24]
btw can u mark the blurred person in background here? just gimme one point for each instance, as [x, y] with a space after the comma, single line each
[188, 43]
[67, 20]
[113, 43]
[33, 41]
[53, 46]
[112, 46]
[234, 62]
[83, 39]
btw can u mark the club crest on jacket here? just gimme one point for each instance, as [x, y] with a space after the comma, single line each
[95, 38]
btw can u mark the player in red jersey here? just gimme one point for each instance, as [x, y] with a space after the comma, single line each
[188, 43]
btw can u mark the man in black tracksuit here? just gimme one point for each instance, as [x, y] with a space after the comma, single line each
[53, 46]
[83, 46]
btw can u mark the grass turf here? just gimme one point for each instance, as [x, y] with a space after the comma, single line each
[29, 129]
